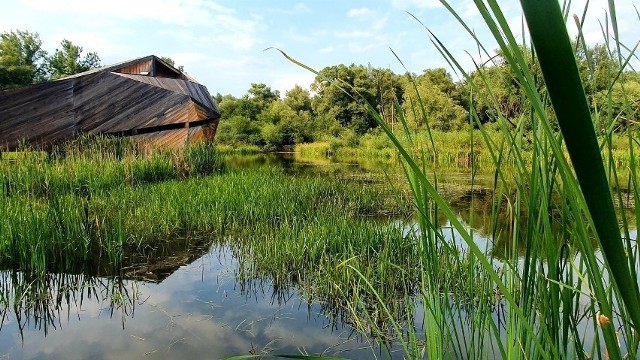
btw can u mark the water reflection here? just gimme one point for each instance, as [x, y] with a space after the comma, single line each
[42, 302]
[197, 311]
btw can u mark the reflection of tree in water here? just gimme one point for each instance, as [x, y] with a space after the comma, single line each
[366, 290]
[41, 301]
[501, 217]
[505, 220]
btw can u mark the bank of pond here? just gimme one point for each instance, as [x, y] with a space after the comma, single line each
[109, 250]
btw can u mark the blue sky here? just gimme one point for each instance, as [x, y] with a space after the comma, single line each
[221, 43]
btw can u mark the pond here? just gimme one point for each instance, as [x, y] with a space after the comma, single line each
[200, 310]
[190, 299]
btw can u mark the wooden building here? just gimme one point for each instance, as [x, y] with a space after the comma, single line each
[146, 98]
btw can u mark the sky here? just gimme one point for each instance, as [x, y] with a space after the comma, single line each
[222, 43]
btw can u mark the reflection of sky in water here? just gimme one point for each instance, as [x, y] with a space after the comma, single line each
[197, 312]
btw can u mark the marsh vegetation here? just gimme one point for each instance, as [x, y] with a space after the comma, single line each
[512, 237]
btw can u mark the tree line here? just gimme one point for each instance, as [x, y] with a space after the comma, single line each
[23, 61]
[333, 107]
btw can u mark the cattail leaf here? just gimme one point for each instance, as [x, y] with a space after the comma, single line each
[553, 47]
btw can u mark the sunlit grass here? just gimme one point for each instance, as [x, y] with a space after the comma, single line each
[563, 284]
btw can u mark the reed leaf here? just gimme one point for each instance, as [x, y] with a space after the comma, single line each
[551, 41]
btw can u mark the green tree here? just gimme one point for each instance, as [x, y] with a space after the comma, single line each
[620, 106]
[237, 130]
[261, 96]
[69, 60]
[298, 99]
[388, 90]
[283, 126]
[434, 91]
[21, 59]
[340, 92]
[495, 92]
[597, 68]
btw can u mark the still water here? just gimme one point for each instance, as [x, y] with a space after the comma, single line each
[188, 303]
[198, 311]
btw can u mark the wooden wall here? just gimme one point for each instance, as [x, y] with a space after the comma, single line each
[179, 137]
[136, 68]
[104, 103]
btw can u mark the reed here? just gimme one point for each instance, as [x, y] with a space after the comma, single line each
[584, 276]
[563, 282]
[56, 210]
[284, 229]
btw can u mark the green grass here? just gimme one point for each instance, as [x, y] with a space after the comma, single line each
[239, 150]
[450, 150]
[283, 228]
[551, 284]
[81, 210]
[560, 284]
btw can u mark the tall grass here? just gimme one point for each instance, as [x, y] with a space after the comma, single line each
[284, 229]
[561, 285]
[574, 293]
[76, 208]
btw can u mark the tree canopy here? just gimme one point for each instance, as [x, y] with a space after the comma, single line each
[68, 60]
[335, 104]
[23, 61]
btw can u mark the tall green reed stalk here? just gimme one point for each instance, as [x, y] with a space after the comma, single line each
[546, 278]
[561, 286]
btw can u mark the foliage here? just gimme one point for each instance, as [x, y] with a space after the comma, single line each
[493, 90]
[24, 62]
[22, 59]
[171, 62]
[619, 106]
[262, 118]
[436, 92]
[238, 130]
[338, 89]
[68, 60]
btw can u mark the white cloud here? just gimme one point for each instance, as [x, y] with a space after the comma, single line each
[326, 50]
[360, 12]
[296, 34]
[188, 59]
[286, 82]
[354, 34]
[301, 8]
[185, 12]
[420, 4]
[357, 47]
[223, 24]
[381, 22]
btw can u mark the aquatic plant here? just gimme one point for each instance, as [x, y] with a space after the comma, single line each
[563, 283]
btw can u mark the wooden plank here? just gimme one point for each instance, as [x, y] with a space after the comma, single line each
[102, 102]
